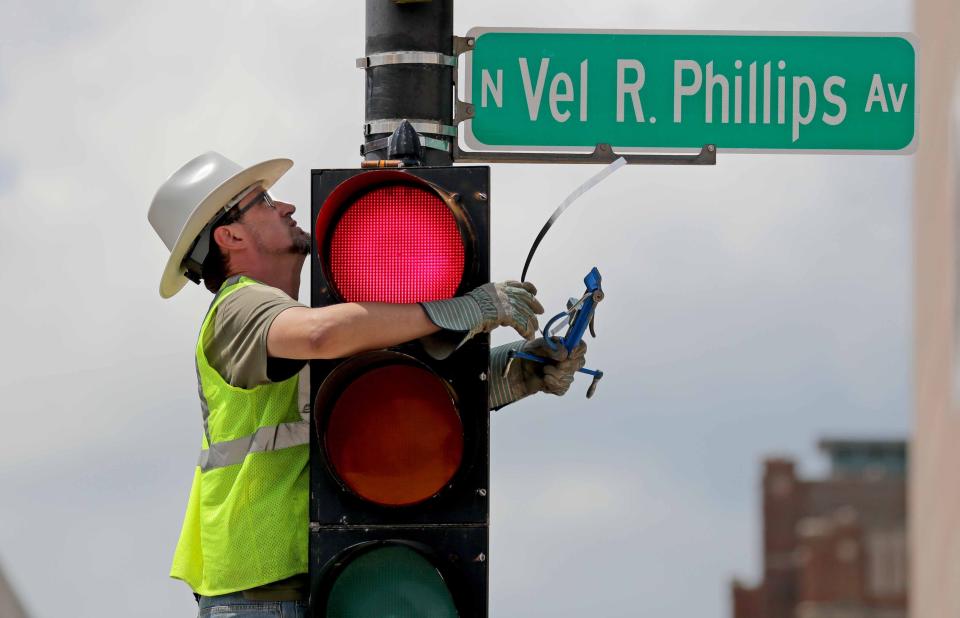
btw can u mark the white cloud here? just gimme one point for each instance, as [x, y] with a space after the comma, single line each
[599, 535]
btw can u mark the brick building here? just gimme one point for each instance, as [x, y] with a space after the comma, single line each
[833, 547]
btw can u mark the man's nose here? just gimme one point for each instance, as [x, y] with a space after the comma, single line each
[286, 209]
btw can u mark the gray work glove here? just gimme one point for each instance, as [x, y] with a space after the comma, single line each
[528, 377]
[510, 303]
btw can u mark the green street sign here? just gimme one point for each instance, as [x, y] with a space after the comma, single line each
[569, 90]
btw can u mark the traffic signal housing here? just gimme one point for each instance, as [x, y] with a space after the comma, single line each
[399, 501]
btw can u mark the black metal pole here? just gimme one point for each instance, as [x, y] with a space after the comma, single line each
[409, 90]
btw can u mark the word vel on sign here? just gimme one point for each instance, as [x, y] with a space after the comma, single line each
[569, 90]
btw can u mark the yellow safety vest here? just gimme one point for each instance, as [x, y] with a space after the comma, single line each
[246, 522]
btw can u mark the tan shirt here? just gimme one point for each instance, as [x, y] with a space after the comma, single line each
[237, 348]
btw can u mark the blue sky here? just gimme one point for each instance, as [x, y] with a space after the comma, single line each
[751, 308]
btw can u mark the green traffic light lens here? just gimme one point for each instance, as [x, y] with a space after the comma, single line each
[390, 582]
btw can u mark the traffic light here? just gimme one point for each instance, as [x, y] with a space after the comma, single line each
[399, 503]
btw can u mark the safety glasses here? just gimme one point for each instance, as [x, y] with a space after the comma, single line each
[232, 216]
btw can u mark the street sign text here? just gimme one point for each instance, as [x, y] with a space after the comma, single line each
[570, 90]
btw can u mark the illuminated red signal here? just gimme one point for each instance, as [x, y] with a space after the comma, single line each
[398, 242]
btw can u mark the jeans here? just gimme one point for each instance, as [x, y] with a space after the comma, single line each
[236, 606]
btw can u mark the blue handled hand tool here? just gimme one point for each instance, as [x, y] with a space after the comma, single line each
[579, 316]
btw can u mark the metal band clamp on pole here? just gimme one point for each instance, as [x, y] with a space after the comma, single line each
[381, 144]
[406, 57]
[389, 125]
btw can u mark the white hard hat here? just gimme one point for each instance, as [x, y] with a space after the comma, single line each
[193, 196]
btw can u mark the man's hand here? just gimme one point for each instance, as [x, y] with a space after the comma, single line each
[509, 303]
[557, 378]
[529, 377]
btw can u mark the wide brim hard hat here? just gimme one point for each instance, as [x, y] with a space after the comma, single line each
[192, 184]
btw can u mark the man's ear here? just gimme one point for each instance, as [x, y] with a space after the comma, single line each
[229, 238]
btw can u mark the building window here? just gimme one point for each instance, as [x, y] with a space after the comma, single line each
[887, 572]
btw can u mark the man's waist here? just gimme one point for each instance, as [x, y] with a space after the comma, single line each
[296, 588]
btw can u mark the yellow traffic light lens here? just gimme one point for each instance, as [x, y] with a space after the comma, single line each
[393, 581]
[397, 243]
[394, 435]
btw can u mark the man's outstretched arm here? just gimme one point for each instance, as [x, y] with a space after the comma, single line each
[341, 330]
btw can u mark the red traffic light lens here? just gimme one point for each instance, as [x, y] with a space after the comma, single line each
[394, 435]
[397, 243]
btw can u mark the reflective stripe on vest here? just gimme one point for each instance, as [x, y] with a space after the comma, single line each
[271, 438]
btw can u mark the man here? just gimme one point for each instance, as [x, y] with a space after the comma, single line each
[243, 545]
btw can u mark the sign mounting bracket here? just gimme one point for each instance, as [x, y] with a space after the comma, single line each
[602, 153]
